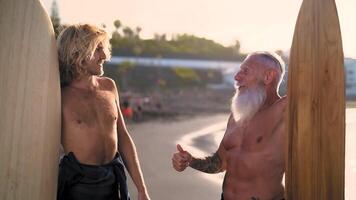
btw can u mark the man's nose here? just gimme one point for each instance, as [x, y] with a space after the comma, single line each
[238, 76]
[102, 55]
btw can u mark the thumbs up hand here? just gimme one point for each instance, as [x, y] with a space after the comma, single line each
[181, 159]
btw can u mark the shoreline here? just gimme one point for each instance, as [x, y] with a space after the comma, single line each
[205, 142]
[156, 142]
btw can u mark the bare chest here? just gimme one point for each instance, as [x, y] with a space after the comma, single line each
[91, 108]
[255, 136]
[253, 148]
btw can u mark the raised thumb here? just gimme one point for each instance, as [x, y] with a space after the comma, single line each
[180, 149]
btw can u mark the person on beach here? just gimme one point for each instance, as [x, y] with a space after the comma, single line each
[96, 143]
[252, 149]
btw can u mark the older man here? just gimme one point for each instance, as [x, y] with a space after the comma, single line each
[252, 149]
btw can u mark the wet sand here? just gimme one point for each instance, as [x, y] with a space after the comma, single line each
[156, 142]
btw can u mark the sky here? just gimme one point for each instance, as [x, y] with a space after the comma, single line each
[257, 24]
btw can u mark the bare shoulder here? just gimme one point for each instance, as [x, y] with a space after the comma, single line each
[281, 103]
[231, 125]
[106, 83]
[277, 109]
[231, 121]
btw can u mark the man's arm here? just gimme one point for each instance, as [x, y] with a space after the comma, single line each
[215, 163]
[211, 164]
[128, 152]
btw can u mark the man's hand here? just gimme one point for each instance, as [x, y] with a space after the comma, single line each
[143, 196]
[181, 159]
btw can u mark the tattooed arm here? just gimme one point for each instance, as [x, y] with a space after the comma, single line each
[211, 164]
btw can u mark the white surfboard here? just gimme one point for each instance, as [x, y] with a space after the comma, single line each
[29, 102]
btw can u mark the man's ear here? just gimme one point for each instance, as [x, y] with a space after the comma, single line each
[269, 76]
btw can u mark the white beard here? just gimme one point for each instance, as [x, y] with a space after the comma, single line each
[246, 104]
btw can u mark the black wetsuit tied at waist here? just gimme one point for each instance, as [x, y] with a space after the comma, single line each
[78, 181]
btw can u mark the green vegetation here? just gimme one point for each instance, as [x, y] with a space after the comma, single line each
[351, 104]
[126, 41]
[186, 74]
[129, 43]
[130, 77]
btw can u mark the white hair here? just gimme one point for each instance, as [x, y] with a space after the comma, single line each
[273, 61]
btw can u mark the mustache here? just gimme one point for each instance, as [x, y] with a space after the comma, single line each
[237, 85]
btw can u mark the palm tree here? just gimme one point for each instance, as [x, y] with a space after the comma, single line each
[138, 31]
[56, 21]
[117, 24]
[128, 32]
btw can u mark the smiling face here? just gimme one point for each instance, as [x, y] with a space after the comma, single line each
[250, 74]
[82, 49]
[256, 83]
[94, 65]
[250, 89]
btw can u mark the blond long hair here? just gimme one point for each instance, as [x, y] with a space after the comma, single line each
[76, 44]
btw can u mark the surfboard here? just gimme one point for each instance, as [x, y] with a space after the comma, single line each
[30, 102]
[316, 105]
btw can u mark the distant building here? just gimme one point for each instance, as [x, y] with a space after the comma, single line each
[350, 79]
[173, 62]
[217, 74]
[228, 69]
[350, 71]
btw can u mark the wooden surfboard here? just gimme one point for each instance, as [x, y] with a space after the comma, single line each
[316, 106]
[29, 103]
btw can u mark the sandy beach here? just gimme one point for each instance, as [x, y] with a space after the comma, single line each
[156, 141]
